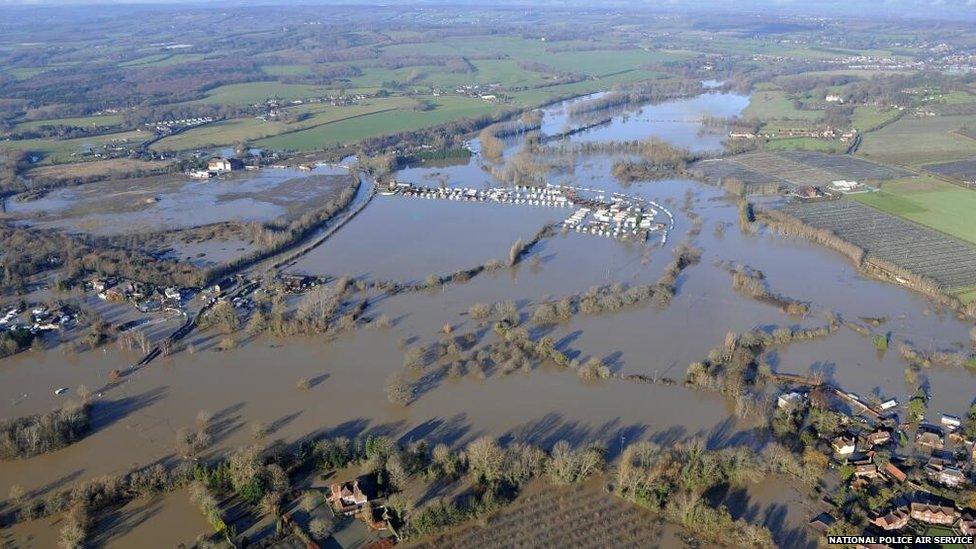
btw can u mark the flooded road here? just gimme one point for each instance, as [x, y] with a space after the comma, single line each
[407, 239]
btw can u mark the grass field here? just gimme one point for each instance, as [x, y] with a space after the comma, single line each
[930, 202]
[104, 121]
[351, 130]
[59, 152]
[804, 144]
[913, 141]
[868, 117]
[251, 129]
[766, 105]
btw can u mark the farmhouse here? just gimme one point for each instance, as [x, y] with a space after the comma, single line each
[832, 98]
[347, 498]
[221, 165]
[844, 185]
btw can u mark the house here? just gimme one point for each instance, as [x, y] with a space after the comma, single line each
[295, 283]
[788, 400]
[221, 165]
[833, 98]
[893, 520]
[843, 445]
[930, 439]
[967, 524]
[894, 472]
[945, 472]
[844, 185]
[889, 404]
[172, 293]
[878, 438]
[866, 470]
[952, 477]
[933, 513]
[741, 135]
[347, 498]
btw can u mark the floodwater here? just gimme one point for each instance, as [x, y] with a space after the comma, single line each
[173, 202]
[393, 227]
[409, 238]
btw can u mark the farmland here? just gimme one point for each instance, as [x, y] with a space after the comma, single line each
[72, 150]
[564, 517]
[913, 141]
[352, 129]
[812, 168]
[250, 129]
[962, 170]
[774, 104]
[928, 201]
[949, 261]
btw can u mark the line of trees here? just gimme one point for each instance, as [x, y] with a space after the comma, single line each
[38, 434]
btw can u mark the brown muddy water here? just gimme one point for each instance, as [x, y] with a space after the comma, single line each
[407, 239]
[173, 202]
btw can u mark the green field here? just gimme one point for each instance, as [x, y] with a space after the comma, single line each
[804, 144]
[928, 201]
[104, 121]
[773, 104]
[228, 132]
[913, 141]
[352, 130]
[868, 117]
[59, 152]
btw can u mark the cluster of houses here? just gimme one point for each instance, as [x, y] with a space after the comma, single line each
[485, 92]
[868, 449]
[41, 319]
[183, 123]
[621, 217]
[783, 133]
[146, 297]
